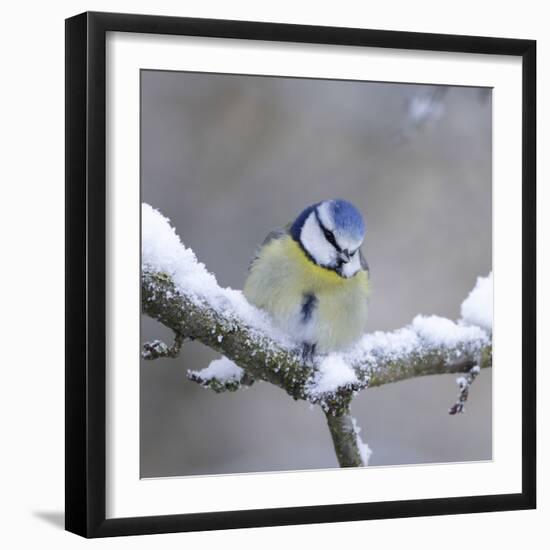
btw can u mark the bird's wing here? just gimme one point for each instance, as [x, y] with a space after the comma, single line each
[278, 233]
[274, 235]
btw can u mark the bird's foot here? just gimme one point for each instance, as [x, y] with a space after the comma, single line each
[308, 352]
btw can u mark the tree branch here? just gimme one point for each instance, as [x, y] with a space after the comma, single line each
[378, 360]
[177, 291]
[345, 440]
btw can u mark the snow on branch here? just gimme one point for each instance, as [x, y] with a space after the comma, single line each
[477, 309]
[179, 292]
[221, 375]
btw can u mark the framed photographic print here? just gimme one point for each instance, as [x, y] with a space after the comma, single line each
[300, 274]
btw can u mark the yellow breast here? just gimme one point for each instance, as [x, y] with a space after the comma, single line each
[280, 278]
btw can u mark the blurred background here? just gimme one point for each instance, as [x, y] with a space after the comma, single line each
[229, 157]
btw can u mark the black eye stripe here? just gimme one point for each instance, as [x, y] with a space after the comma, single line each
[329, 235]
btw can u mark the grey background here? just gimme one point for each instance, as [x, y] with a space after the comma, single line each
[227, 158]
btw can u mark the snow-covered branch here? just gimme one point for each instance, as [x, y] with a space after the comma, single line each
[179, 292]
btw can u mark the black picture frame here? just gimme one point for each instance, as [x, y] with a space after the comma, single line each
[86, 284]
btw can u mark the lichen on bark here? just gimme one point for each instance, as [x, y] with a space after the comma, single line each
[263, 358]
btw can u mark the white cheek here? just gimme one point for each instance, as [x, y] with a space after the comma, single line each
[352, 267]
[314, 242]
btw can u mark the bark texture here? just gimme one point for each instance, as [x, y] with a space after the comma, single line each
[262, 358]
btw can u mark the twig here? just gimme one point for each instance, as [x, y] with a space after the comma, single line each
[464, 384]
[220, 385]
[157, 349]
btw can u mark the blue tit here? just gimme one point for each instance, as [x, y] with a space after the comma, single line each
[312, 278]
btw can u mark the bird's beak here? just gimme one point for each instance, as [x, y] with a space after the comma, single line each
[344, 256]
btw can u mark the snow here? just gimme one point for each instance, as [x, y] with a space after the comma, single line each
[162, 251]
[439, 331]
[432, 333]
[333, 373]
[477, 309]
[424, 335]
[364, 450]
[223, 370]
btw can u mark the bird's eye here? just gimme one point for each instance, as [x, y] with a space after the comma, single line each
[329, 236]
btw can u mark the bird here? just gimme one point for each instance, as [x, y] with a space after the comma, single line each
[312, 278]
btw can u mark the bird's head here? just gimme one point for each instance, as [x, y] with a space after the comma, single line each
[331, 232]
